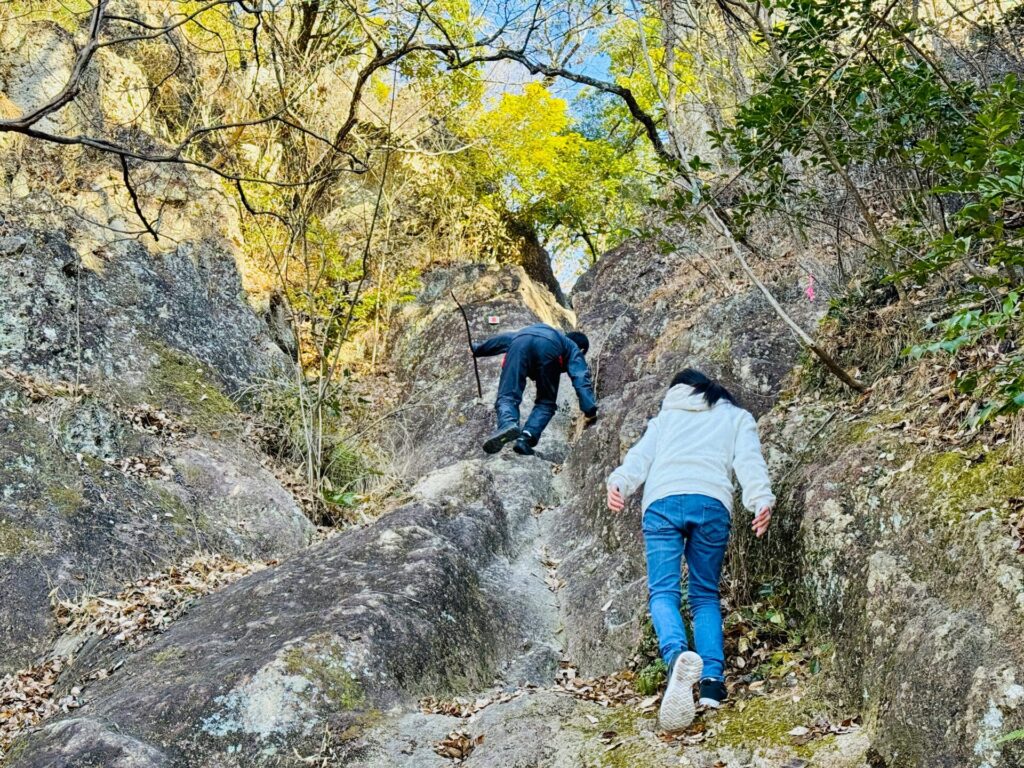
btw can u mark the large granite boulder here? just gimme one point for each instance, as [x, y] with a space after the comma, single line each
[327, 639]
[909, 556]
[122, 446]
[123, 319]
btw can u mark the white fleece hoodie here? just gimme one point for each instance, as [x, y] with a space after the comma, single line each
[691, 447]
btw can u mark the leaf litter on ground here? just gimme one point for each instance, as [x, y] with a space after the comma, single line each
[27, 698]
[131, 617]
[151, 603]
[463, 707]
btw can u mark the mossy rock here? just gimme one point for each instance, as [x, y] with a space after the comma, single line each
[765, 722]
[170, 507]
[967, 485]
[327, 671]
[16, 540]
[67, 15]
[864, 428]
[66, 499]
[167, 655]
[187, 387]
[627, 723]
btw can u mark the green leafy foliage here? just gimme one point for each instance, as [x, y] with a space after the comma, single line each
[982, 165]
[853, 86]
[651, 678]
[531, 162]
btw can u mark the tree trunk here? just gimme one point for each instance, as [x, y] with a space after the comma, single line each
[533, 258]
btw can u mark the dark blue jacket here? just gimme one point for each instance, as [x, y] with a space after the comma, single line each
[551, 353]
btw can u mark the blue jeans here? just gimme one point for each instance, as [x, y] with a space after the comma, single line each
[698, 527]
[533, 358]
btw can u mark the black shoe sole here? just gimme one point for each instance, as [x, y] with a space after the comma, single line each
[497, 441]
[523, 450]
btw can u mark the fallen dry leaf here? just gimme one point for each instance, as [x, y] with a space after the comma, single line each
[463, 707]
[650, 702]
[457, 745]
[27, 698]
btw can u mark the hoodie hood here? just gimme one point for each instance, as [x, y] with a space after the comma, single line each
[681, 397]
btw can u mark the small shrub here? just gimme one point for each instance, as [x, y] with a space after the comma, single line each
[651, 678]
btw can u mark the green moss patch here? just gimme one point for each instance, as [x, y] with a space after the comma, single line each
[66, 499]
[168, 654]
[764, 721]
[326, 670]
[864, 428]
[625, 723]
[171, 508]
[16, 540]
[183, 385]
[958, 484]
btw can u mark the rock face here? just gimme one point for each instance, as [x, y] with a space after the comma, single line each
[116, 321]
[338, 631]
[648, 316]
[444, 419]
[908, 556]
[121, 449]
[417, 602]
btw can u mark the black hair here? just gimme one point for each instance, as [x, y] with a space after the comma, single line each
[580, 340]
[702, 385]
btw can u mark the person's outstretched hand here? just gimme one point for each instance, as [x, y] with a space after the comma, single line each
[760, 524]
[616, 501]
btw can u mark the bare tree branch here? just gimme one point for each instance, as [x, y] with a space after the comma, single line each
[135, 197]
[71, 88]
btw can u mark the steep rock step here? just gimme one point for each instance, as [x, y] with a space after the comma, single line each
[531, 717]
[545, 726]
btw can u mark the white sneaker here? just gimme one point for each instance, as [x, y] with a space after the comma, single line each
[677, 707]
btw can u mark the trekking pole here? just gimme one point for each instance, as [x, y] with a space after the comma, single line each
[469, 335]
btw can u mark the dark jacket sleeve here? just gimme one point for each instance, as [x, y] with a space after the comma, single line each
[496, 345]
[579, 373]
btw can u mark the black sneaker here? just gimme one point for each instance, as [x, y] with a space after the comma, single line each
[522, 446]
[496, 441]
[712, 693]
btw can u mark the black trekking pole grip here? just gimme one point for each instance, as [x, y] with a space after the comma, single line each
[469, 336]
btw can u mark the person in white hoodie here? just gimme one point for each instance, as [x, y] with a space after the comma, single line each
[685, 461]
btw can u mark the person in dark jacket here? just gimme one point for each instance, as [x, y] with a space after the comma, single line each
[540, 353]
